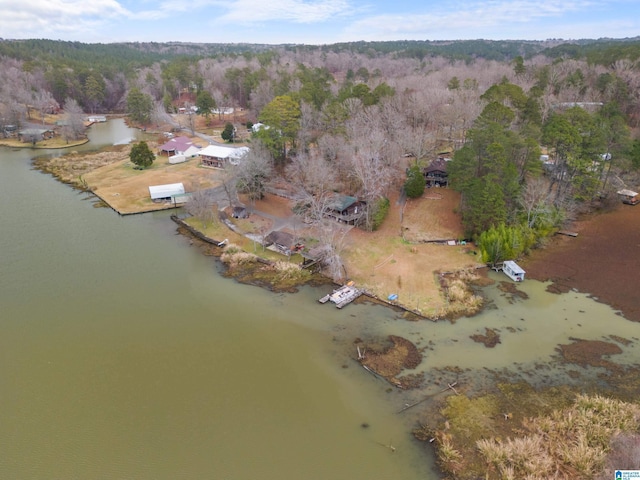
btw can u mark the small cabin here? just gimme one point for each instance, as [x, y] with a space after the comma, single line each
[345, 209]
[283, 242]
[435, 175]
[34, 135]
[513, 271]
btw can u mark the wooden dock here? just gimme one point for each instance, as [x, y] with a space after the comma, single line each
[567, 233]
[342, 296]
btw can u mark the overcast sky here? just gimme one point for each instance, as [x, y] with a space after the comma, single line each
[316, 21]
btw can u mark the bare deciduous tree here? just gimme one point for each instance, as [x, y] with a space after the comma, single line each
[201, 206]
[254, 170]
[536, 200]
[73, 120]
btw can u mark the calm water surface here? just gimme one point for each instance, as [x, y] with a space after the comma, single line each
[124, 354]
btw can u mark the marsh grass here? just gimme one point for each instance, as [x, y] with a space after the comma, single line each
[234, 256]
[460, 296]
[568, 443]
[290, 272]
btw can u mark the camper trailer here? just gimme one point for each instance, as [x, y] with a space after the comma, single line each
[513, 271]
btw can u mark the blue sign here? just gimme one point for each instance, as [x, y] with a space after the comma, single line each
[627, 474]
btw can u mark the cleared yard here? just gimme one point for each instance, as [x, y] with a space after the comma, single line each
[127, 190]
[384, 263]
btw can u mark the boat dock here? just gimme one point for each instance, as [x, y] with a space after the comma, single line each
[342, 296]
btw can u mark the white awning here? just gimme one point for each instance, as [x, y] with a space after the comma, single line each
[627, 193]
[166, 191]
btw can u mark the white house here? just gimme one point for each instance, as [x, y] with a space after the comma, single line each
[166, 193]
[182, 157]
[217, 155]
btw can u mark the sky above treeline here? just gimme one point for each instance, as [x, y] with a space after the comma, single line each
[316, 21]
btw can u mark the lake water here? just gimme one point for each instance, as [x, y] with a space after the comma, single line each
[124, 353]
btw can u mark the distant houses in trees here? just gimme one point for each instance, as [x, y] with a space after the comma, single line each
[96, 119]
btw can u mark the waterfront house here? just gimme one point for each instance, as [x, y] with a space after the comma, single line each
[346, 209]
[33, 135]
[218, 155]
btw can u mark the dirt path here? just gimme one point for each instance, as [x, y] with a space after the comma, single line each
[604, 260]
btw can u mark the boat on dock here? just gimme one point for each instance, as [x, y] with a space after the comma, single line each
[342, 296]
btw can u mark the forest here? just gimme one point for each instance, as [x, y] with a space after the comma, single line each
[533, 132]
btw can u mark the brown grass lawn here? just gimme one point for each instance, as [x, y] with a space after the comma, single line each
[384, 263]
[127, 190]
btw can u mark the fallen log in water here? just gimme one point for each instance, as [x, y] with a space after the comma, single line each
[449, 387]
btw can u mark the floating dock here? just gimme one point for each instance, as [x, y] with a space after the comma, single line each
[342, 296]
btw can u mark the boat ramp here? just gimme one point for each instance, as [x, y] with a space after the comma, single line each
[342, 296]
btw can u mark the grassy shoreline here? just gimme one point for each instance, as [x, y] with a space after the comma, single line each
[52, 144]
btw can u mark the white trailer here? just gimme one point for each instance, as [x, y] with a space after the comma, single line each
[513, 271]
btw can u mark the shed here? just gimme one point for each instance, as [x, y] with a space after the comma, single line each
[240, 212]
[283, 241]
[629, 197]
[166, 193]
[513, 271]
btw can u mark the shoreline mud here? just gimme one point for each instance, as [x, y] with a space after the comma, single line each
[603, 261]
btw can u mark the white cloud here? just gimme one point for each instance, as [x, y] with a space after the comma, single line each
[54, 16]
[299, 11]
[464, 20]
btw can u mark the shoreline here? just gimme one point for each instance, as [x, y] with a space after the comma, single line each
[40, 146]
